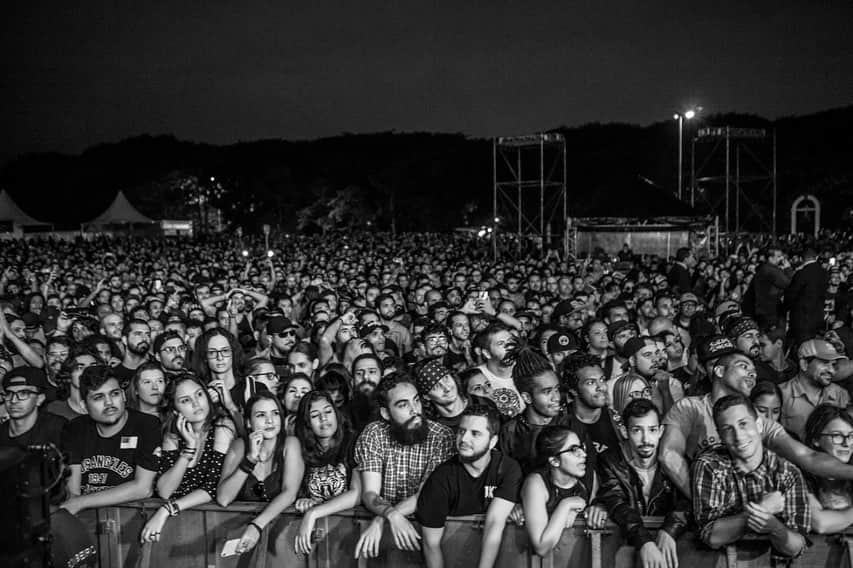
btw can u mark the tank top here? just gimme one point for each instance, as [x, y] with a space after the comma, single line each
[557, 493]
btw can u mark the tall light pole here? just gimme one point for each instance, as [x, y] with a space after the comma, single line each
[680, 116]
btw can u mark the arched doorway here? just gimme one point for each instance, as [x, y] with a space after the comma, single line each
[805, 215]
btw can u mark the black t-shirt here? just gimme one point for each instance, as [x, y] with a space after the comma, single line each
[108, 462]
[450, 491]
[47, 430]
[123, 374]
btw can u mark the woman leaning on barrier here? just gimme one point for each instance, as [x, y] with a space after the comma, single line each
[196, 436]
[331, 484]
[554, 494]
[830, 429]
[266, 465]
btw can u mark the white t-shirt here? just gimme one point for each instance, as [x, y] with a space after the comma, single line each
[504, 394]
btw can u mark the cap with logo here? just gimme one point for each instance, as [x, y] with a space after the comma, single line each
[369, 327]
[714, 347]
[562, 341]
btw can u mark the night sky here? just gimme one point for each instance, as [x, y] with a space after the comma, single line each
[80, 73]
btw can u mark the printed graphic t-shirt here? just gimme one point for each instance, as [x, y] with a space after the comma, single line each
[108, 462]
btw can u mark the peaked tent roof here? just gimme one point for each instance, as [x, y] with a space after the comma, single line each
[120, 211]
[9, 211]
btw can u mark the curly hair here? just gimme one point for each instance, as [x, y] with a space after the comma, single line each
[573, 364]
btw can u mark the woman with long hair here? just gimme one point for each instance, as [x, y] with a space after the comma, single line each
[830, 429]
[196, 435]
[265, 462]
[766, 398]
[296, 387]
[554, 494]
[331, 483]
[147, 389]
[217, 359]
[265, 465]
[629, 387]
[260, 372]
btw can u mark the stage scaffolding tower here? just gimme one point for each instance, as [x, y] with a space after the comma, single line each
[529, 197]
[733, 175]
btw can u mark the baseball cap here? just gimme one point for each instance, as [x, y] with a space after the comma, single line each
[818, 348]
[429, 374]
[25, 376]
[278, 324]
[714, 347]
[369, 327]
[688, 297]
[726, 306]
[561, 341]
[567, 307]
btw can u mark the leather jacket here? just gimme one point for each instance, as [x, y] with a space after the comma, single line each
[621, 493]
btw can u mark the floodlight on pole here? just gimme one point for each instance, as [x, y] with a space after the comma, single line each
[680, 116]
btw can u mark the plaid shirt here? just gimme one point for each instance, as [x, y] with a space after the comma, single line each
[720, 490]
[403, 468]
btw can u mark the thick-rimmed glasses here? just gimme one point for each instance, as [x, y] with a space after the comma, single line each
[224, 353]
[838, 438]
[15, 396]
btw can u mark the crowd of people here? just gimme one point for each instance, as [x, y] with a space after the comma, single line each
[420, 379]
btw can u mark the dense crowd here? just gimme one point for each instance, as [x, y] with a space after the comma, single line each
[419, 378]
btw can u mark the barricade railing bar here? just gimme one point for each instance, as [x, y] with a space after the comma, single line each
[195, 539]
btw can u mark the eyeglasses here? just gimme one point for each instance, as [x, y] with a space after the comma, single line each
[577, 450]
[21, 396]
[172, 349]
[436, 339]
[265, 376]
[839, 439]
[283, 334]
[645, 393]
[224, 353]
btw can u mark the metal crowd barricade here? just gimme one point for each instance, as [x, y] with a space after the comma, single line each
[195, 538]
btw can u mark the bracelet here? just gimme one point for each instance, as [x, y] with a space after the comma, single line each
[172, 507]
[257, 527]
[246, 466]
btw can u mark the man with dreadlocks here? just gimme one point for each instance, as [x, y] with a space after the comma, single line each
[539, 387]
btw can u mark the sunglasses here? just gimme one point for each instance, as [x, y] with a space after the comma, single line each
[283, 334]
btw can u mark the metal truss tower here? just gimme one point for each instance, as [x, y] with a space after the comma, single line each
[733, 175]
[529, 197]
